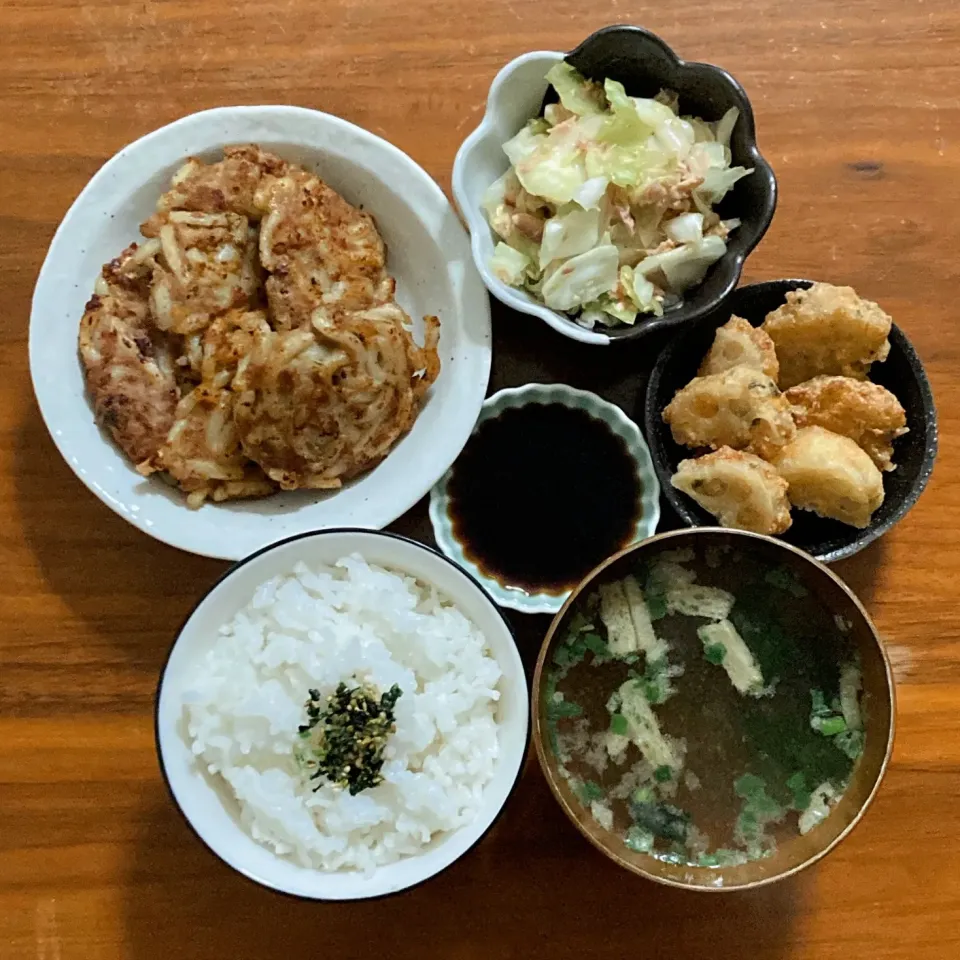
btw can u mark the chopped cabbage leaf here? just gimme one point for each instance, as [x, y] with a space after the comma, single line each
[640, 290]
[576, 93]
[687, 228]
[726, 124]
[582, 279]
[509, 264]
[718, 183]
[685, 265]
[625, 166]
[525, 143]
[550, 165]
[592, 192]
[676, 136]
[652, 112]
[624, 124]
[568, 234]
[618, 309]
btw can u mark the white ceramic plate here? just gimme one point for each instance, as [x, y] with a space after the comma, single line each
[427, 252]
[208, 805]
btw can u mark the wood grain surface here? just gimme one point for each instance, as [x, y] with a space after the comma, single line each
[858, 109]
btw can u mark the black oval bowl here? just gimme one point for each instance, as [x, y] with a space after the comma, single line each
[644, 64]
[902, 373]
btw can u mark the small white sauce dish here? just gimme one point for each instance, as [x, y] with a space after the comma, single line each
[208, 806]
[648, 516]
[427, 253]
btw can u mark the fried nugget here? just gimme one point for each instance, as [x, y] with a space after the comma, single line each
[739, 489]
[738, 343]
[827, 330]
[830, 475]
[867, 413]
[739, 408]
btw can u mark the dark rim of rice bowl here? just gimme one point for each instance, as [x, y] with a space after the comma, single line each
[163, 672]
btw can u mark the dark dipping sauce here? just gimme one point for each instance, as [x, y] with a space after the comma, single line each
[541, 494]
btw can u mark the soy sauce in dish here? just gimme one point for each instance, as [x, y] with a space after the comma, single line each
[541, 494]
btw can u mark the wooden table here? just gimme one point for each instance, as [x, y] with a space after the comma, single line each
[859, 113]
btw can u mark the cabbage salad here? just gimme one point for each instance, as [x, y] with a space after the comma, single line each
[606, 212]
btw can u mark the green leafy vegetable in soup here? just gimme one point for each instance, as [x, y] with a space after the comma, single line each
[705, 711]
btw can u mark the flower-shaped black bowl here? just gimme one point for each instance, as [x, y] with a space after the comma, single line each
[644, 64]
[902, 373]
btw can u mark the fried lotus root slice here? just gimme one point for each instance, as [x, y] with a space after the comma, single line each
[739, 408]
[739, 489]
[830, 475]
[207, 265]
[827, 330]
[740, 344]
[320, 252]
[202, 452]
[867, 413]
[227, 186]
[127, 367]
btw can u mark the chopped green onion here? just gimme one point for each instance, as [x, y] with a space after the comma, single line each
[829, 726]
[590, 791]
[563, 709]
[714, 653]
[595, 644]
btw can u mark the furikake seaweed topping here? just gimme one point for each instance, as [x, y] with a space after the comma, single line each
[345, 735]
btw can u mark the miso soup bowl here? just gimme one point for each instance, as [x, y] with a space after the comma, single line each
[877, 704]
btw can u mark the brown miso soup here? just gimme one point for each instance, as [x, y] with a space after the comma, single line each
[705, 707]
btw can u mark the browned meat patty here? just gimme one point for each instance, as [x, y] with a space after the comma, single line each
[319, 251]
[129, 372]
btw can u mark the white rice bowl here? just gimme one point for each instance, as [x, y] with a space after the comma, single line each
[354, 623]
[296, 618]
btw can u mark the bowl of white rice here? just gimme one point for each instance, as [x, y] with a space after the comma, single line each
[247, 702]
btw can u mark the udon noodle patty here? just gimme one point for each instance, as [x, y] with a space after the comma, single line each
[318, 406]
